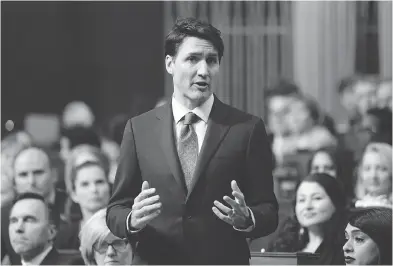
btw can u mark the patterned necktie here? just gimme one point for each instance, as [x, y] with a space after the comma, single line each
[187, 147]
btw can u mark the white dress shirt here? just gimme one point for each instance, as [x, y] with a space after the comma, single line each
[37, 260]
[203, 112]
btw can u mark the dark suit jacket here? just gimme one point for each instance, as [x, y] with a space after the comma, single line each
[187, 231]
[6, 247]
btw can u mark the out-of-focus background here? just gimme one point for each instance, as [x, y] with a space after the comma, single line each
[110, 55]
[318, 73]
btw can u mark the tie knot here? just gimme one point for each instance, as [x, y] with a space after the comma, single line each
[190, 118]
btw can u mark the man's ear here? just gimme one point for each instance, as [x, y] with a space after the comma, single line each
[52, 231]
[169, 60]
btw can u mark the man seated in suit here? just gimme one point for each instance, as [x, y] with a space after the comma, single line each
[32, 172]
[32, 229]
[194, 179]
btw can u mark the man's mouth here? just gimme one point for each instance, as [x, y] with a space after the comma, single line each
[202, 84]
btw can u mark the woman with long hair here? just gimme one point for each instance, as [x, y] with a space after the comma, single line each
[319, 215]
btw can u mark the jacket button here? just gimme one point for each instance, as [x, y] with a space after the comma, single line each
[189, 217]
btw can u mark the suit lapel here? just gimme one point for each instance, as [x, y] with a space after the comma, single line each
[51, 258]
[215, 132]
[165, 130]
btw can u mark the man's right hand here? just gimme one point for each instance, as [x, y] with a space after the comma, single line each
[147, 206]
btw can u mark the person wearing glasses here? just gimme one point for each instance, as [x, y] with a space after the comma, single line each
[99, 246]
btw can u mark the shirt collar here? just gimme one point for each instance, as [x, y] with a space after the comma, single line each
[37, 260]
[203, 111]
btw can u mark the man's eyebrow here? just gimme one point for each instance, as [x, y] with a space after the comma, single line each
[199, 54]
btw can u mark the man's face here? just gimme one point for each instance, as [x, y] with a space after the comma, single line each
[278, 112]
[384, 95]
[29, 229]
[348, 101]
[32, 173]
[193, 69]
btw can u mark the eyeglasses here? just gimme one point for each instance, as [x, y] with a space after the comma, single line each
[118, 244]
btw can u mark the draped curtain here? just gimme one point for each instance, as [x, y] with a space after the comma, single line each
[385, 38]
[324, 39]
[258, 46]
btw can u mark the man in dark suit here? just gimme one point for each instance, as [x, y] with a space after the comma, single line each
[181, 161]
[32, 230]
[32, 170]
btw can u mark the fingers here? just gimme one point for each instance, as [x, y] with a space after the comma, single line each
[145, 194]
[221, 216]
[146, 219]
[145, 185]
[234, 186]
[236, 192]
[235, 205]
[222, 207]
[146, 210]
[145, 202]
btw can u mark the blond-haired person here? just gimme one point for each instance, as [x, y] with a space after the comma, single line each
[99, 246]
[374, 183]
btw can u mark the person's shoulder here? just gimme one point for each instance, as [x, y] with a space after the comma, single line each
[153, 113]
[239, 115]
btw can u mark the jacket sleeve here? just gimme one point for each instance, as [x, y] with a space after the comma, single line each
[258, 185]
[126, 187]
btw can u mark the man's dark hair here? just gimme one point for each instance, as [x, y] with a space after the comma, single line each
[283, 88]
[348, 83]
[78, 135]
[192, 27]
[53, 216]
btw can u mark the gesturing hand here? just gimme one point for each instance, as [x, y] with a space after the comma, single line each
[146, 207]
[237, 216]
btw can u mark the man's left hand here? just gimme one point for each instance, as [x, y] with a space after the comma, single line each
[238, 215]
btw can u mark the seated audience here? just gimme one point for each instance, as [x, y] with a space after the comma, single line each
[279, 98]
[89, 188]
[384, 94]
[10, 147]
[307, 132]
[324, 161]
[112, 151]
[319, 217]
[377, 122]
[32, 172]
[347, 99]
[77, 113]
[99, 246]
[32, 229]
[336, 163]
[369, 237]
[374, 180]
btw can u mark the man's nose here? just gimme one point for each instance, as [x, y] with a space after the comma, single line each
[19, 227]
[203, 70]
[31, 180]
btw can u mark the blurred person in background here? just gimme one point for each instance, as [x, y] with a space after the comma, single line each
[99, 246]
[306, 130]
[335, 163]
[324, 161]
[32, 229]
[377, 123]
[319, 215]
[374, 177]
[347, 99]
[384, 93]
[279, 99]
[32, 172]
[365, 88]
[77, 113]
[11, 145]
[88, 187]
[161, 102]
[369, 237]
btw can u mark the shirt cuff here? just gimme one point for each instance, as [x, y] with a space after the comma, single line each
[251, 227]
[128, 224]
